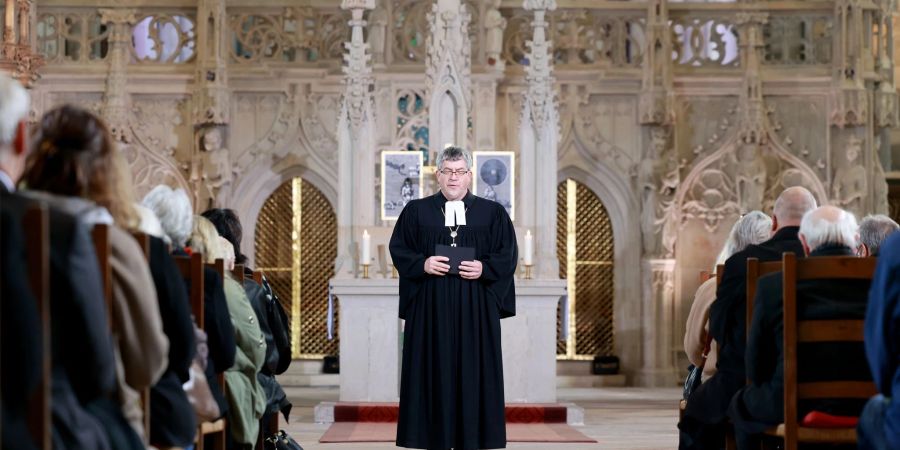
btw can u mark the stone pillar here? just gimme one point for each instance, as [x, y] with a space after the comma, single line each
[18, 56]
[448, 68]
[117, 102]
[356, 140]
[658, 313]
[539, 140]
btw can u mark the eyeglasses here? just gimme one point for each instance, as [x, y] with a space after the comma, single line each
[459, 173]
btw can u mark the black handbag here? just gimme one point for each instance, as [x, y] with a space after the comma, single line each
[281, 441]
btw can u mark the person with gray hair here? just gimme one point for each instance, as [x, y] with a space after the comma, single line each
[14, 103]
[827, 231]
[703, 424]
[753, 228]
[456, 255]
[873, 230]
[173, 209]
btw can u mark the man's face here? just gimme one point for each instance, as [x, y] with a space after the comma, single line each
[454, 186]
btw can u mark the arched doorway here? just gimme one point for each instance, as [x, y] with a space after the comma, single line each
[585, 250]
[296, 245]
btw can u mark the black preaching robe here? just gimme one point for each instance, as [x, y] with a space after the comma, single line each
[451, 385]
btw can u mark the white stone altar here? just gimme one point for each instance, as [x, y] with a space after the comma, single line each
[371, 334]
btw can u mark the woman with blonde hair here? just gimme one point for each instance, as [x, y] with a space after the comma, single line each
[76, 169]
[246, 398]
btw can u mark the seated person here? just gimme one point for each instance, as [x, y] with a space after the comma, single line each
[873, 230]
[753, 228]
[703, 424]
[879, 424]
[826, 231]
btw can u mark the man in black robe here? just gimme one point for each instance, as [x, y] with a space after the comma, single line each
[451, 386]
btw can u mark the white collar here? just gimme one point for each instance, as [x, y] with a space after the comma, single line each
[454, 213]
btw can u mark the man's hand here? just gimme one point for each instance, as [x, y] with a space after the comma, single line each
[435, 265]
[470, 270]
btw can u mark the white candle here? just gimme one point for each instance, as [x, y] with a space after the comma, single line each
[366, 248]
[529, 248]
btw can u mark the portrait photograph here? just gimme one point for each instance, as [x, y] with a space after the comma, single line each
[494, 178]
[401, 181]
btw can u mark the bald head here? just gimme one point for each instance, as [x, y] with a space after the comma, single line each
[791, 205]
[828, 225]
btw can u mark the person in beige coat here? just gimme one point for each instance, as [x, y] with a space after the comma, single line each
[246, 397]
[75, 168]
[753, 228]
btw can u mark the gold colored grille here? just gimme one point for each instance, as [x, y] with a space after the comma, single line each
[585, 252]
[296, 244]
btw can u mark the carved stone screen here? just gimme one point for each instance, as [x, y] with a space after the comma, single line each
[585, 252]
[296, 244]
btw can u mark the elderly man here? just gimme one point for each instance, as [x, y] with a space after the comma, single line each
[703, 425]
[451, 389]
[826, 231]
[873, 230]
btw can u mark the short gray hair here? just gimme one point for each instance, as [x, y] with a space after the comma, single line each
[753, 228]
[454, 154]
[793, 203]
[14, 104]
[874, 229]
[174, 211]
[829, 225]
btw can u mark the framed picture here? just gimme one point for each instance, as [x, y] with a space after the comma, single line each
[401, 181]
[494, 178]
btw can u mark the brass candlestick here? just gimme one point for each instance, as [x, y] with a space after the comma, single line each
[365, 271]
[528, 271]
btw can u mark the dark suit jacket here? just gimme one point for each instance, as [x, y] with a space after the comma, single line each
[21, 338]
[172, 419]
[761, 403]
[83, 364]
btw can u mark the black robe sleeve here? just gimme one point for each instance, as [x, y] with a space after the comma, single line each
[406, 256]
[499, 264]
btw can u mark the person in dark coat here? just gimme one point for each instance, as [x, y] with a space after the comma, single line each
[879, 423]
[173, 209]
[82, 360]
[703, 424]
[451, 382]
[826, 231]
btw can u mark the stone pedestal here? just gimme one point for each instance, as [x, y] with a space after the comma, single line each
[370, 341]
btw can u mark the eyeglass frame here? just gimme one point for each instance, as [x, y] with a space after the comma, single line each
[449, 172]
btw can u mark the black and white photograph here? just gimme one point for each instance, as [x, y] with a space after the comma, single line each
[401, 181]
[495, 178]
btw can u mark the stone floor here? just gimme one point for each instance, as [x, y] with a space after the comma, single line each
[618, 418]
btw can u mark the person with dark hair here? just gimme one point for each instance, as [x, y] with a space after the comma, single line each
[272, 318]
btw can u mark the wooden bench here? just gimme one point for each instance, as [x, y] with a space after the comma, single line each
[811, 331]
[191, 268]
[36, 230]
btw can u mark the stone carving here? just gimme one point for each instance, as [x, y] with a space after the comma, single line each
[116, 102]
[153, 40]
[657, 180]
[798, 40]
[378, 23]
[155, 124]
[656, 104]
[713, 199]
[72, 37]
[693, 46]
[357, 98]
[17, 57]
[850, 186]
[494, 24]
[447, 74]
[539, 96]
[750, 178]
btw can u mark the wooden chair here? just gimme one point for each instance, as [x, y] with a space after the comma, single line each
[755, 270]
[191, 268]
[143, 241]
[238, 273]
[811, 331]
[35, 225]
[258, 277]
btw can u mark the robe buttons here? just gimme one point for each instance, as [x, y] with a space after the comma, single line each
[251, 319]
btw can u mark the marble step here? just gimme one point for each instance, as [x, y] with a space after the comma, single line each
[589, 381]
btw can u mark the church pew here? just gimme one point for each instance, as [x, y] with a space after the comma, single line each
[755, 270]
[35, 226]
[191, 268]
[143, 241]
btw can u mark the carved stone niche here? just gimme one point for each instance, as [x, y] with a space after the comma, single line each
[212, 171]
[850, 179]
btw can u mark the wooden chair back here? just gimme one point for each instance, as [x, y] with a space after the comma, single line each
[238, 273]
[720, 269]
[143, 241]
[258, 277]
[36, 228]
[755, 270]
[194, 266]
[810, 331]
[705, 275]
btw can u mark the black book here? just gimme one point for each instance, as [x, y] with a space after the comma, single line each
[456, 255]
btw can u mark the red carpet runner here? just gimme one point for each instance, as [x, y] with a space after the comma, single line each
[377, 422]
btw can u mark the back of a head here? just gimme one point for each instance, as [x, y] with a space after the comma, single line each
[174, 211]
[74, 156]
[14, 103]
[205, 240]
[752, 228]
[791, 206]
[148, 222]
[229, 227]
[829, 225]
[874, 230]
